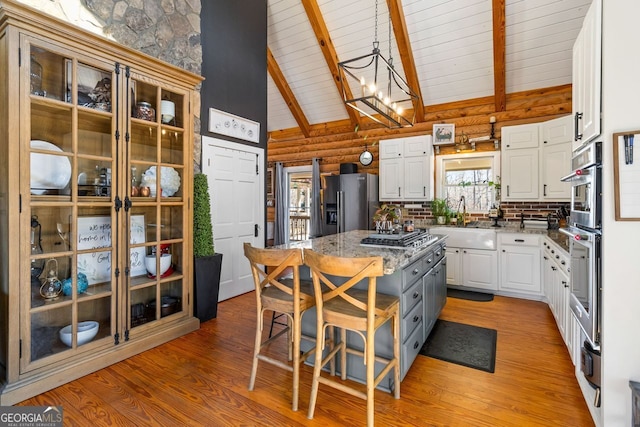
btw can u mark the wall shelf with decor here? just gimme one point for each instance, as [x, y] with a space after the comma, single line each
[95, 192]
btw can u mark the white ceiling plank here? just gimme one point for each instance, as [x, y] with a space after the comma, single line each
[452, 43]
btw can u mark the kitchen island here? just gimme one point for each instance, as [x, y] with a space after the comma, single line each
[416, 276]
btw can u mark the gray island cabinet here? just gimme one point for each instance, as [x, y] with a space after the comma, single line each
[416, 276]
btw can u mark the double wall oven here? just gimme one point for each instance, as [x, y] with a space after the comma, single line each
[585, 237]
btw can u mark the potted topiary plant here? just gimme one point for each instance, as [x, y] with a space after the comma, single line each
[439, 210]
[207, 264]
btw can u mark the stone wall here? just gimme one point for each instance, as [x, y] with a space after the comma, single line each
[165, 29]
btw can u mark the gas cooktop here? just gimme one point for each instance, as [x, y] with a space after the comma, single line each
[409, 240]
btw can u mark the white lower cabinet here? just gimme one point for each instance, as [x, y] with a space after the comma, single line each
[473, 268]
[519, 258]
[557, 290]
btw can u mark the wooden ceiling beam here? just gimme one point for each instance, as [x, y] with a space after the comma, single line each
[287, 94]
[328, 51]
[406, 54]
[499, 73]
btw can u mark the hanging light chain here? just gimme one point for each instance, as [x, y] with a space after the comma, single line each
[375, 28]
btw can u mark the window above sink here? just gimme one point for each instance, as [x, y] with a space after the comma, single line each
[469, 175]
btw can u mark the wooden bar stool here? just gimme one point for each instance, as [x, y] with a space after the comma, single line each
[289, 296]
[360, 311]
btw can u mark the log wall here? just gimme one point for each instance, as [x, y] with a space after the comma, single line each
[337, 143]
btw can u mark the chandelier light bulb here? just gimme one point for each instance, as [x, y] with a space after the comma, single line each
[362, 83]
[399, 110]
[372, 88]
[379, 95]
[394, 106]
[386, 100]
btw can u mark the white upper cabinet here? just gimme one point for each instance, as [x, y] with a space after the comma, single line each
[555, 158]
[534, 159]
[587, 57]
[522, 136]
[405, 169]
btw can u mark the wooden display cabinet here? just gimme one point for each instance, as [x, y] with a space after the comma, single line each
[95, 193]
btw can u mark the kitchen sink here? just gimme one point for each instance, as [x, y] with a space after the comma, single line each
[470, 238]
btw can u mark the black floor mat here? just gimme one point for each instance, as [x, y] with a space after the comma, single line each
[462, 344]
[469, 295]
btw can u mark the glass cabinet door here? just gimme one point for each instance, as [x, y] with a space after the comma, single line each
[71, 160]
[156, 166]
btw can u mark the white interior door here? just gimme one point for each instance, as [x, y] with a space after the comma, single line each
[236, 181]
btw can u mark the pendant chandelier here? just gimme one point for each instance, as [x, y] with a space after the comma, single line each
[379, 91]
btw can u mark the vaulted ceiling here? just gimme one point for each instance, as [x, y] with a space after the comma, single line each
[449, 50]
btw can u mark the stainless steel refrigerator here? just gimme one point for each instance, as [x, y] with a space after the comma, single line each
[350, 200]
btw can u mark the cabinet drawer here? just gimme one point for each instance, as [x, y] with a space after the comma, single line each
[428, 261]
[519, 239]
[438, 252]
[411, 297]
[412, 319]
[412, 273]
[410, 349]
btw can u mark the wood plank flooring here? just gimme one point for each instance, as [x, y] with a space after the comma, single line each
[201, 380]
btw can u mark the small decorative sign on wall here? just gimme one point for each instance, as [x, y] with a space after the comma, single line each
[230, 125]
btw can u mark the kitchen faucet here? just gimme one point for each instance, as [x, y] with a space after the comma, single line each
[463, 202]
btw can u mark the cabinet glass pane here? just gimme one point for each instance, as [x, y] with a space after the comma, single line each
[141, 312]
[47, 289]
[50, 226]
[95, 251]
[144, 143]
[95, 310]
[172, 146]
[47, 74]
[94, 134]
[171, 109]
[171, 298]
[50, 164]
[45, 331]
[93, 87]
[145, 101]
[176, 250]
[172, 222]
[94, 178]
[143, 225]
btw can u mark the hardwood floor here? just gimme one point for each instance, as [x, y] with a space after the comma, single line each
[202, 378]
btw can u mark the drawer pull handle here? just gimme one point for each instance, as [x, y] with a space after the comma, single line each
[415, 271]
[416, 345]
[429, 260]
[415, 295]
[519, 240]
[416, 318]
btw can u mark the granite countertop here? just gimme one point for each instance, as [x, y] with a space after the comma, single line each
[555, 235]
[348, 245]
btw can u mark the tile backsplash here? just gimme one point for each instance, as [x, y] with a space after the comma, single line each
[422, 216]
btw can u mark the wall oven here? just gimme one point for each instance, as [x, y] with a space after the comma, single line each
[585, 250]
[586, 183]
[585, 276]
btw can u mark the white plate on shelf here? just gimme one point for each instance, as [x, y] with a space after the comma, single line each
[48, 171]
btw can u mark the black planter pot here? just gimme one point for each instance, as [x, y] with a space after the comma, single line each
[206, 277]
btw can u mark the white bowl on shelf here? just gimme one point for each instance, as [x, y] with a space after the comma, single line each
[86, 332]
[150, 263]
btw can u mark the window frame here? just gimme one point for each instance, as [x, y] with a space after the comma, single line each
[439, 168]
